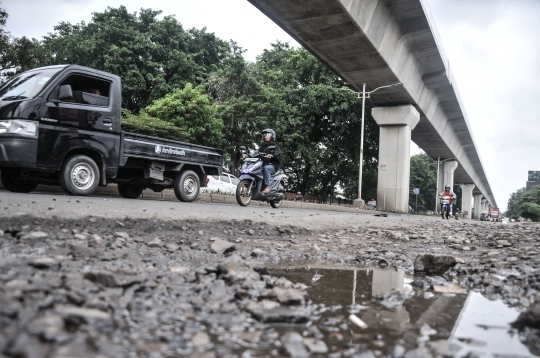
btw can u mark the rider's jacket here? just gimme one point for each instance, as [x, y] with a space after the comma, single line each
[450, 193]
[275, 152]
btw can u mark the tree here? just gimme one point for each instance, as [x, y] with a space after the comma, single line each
[148, 125]
[514, 203]
[152, 56]
[319, 127]
[423, 176]
[18, 54]
[191, 111]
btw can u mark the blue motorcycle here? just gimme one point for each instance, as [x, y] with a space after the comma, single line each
[251, 180]
[445, 206]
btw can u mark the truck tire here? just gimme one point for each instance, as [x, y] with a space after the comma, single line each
[186, 186]
[130, 190]
[11, 183]
[79, 175]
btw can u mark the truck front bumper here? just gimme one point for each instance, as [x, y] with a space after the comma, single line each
[18, 151]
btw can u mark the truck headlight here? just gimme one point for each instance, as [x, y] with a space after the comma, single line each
[17, 126]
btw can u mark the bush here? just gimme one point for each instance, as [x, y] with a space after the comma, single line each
[530, 211]
[148, 125]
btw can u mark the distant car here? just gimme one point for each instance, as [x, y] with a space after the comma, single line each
[226, 183]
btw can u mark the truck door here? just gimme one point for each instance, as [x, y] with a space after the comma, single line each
[82, 113]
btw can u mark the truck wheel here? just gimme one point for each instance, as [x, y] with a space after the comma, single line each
[130, 190]
[242, 189]
[11, 183]
[186, 186]
[79, 175]
[275, 204]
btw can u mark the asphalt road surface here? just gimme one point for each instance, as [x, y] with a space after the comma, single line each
[72, 207]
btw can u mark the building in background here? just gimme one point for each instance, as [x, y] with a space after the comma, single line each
[534, 179]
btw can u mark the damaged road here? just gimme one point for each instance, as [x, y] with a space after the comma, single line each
[103, 277]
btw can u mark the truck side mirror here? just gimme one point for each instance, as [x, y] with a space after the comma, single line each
[64, 92]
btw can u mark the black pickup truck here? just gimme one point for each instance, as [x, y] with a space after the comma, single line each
[60, 125]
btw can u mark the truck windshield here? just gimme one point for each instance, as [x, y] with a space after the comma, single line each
[26, 85]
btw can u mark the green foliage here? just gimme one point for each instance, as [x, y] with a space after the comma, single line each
[317, 128]
[191, 111]
[147, 125]
[18, 54]
[530, 211]
[423, 176]
[514, 203]
[152, 56]
[524, 203]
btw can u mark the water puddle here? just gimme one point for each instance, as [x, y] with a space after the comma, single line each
[429, 323]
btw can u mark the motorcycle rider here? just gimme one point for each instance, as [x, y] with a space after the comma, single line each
[447, 193]
[271, 161]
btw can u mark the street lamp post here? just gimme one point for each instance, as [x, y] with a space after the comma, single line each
[359, 202]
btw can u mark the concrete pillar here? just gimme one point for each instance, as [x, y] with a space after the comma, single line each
[466, 200]
[446, 174]
[477, 206]
[484, 205]
[394, 155]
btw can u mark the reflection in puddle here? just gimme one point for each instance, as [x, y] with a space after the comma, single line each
[460, 324]
[483, 327]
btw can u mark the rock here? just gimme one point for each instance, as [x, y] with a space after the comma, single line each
[122, 234]
[171, 247]
[75, 316]
[394, 299]
[504, 243]
[200, 339]
[493, 280]
[251, 232]
[315, 345]
[512, 259]
[259, 253]
[314, 250]
[34, 235]
[448, 289]
[435, 264]
[221, 246]
[281, 315]
[43, 263]
[156, 242]
[49, 328]
[110, 279]
[287, 296]
[292, 345]
[179, 269]
[95, 241]
[234, 268]
[529, 318]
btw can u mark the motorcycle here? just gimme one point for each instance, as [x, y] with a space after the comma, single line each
[457, 214]
[251, 181]
[445, 206]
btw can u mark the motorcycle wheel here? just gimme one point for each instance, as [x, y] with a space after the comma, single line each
[275, 204]
[241, 192]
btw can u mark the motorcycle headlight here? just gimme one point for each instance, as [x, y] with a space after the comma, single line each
[17, 126]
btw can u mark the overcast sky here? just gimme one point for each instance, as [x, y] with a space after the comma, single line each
[492, 47]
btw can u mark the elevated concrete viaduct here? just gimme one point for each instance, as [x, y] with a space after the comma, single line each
[381, 42]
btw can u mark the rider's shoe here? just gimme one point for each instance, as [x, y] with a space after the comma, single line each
[266, 190]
